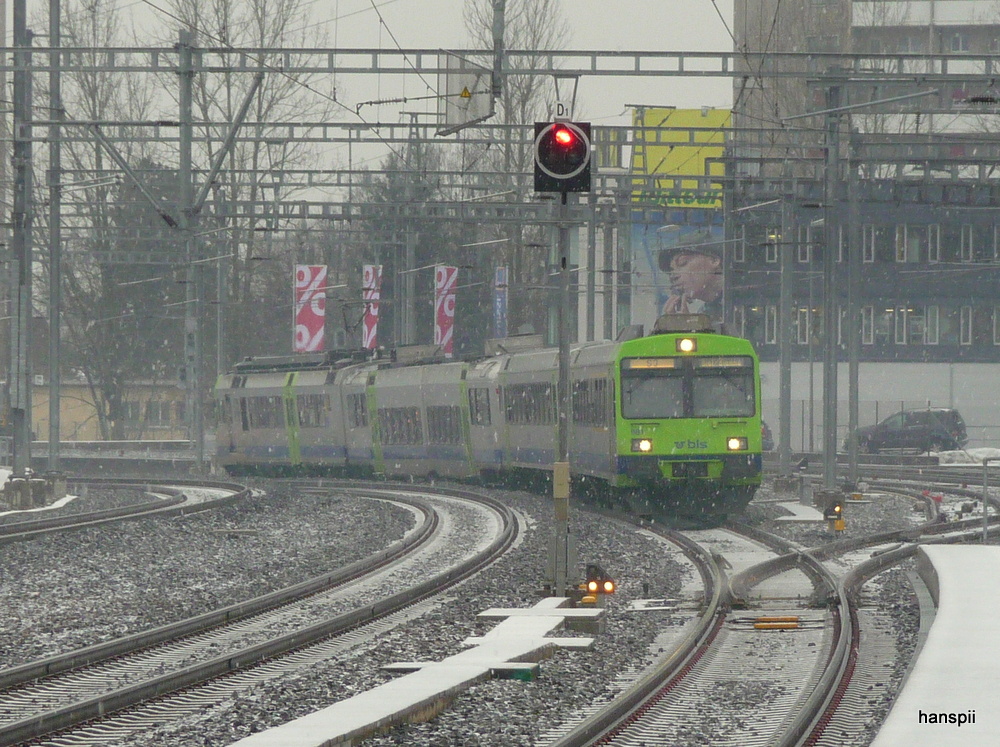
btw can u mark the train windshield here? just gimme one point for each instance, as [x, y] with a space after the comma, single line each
[701, 387]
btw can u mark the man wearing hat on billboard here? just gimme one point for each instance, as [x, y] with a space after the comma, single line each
[696, 279]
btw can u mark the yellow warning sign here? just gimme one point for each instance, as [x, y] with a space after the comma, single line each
[466, 94]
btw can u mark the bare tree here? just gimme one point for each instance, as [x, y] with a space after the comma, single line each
[255, 169]
[533, 27]
[114, 333]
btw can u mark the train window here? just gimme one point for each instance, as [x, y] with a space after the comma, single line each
[722, 392]
[530, 404]
[400, 425]
[311, 409]
[721, 386]
[265, 412]
[479, 406]
[590, 402]
[357, 410]
[444, 424]
[653, 395]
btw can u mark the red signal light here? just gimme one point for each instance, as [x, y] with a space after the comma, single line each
[564, 137]
[562, 156]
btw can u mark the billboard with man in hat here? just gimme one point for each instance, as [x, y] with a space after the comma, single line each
[677, 262]
[693, 268]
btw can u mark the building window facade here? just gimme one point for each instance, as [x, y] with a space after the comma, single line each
[771, 325]
[931, 325]
[802, 324]
[967, 247]
[773, 240]
[934, 243]
[965, 326]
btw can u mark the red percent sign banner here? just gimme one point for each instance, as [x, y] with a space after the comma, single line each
[444, 307]
[371, 291]
[310, 307]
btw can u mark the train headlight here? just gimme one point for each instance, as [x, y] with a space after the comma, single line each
[644, 445]
[736, 443]
[687, 345]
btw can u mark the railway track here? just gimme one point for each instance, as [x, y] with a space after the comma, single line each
[55, 694]
[703, 677]
[820, 691]
[734, 686]
[842, 705]
[166, 497]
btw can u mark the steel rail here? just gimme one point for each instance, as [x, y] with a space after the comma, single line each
[657, 681]
[176, 503]
[821, 707]
[191, 626]
[94, 708]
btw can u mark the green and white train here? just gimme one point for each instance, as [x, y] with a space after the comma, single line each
[669, 423]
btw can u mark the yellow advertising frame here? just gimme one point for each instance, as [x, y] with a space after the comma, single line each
[680, 145]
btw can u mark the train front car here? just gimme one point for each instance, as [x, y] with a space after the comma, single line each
[688, 422]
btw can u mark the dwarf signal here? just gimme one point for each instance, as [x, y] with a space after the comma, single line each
[834, 515]
[598, 580]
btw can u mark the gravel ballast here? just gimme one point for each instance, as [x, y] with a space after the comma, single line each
[68, 590]
[158, 570]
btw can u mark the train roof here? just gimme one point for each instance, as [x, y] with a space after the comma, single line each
[527, 350]
[674, 323]
[302, 361]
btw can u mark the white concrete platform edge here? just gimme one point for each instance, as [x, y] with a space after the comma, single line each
[950, 697]
[800, 513]
[513, 645]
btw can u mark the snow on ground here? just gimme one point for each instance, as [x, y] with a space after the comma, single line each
[968, 456]
[5, 473]
[58, 504]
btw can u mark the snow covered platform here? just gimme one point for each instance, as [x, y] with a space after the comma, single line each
[510, 649]
[950, 697]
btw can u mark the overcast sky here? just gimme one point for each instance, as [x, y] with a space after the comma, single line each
[655, 25]
[627, 25]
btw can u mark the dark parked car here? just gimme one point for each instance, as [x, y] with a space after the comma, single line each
[934, 429]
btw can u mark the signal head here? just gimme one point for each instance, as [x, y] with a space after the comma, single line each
[562, 156]
[599, 581]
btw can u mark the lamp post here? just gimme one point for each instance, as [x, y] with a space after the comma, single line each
[19, 380]
[563, 550]
[986, 516]
[831, 115]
